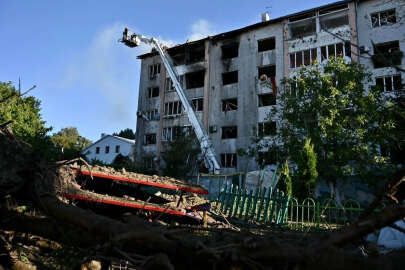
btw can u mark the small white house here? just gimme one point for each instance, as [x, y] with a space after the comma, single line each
[108, 147]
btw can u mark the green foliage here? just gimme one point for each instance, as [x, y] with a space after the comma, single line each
[69, 140]
[345, 120]
[27, 120]
[125, 162]
[181, 157]
[285, 181]
[126, 133]
[306, 175]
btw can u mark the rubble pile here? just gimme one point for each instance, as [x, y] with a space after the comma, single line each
[33, 207]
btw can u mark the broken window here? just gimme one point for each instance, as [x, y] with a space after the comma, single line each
[195, 79]
[167, 134]
[269, 71]
[153, 92]
[305, 58]
[229, 160]
[229, 104]
[173, 108]
[152, 115]
[230, 77]
[333, 20]
[335, 50]
[302, 28]
[389, 83]
[150, 139]
[229, 132]
[107, 149]
[178, 56]
[267, 129]
[117, 149]
[266, 44]
[230, 50]
[198, 104]
[97, 150]
[154, 70]
[386, 17]
[298, 58]
[169, 85]
[387, 54]
[267, 100]
[195, 53]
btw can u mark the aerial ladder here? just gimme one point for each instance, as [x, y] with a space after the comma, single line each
[134, 40]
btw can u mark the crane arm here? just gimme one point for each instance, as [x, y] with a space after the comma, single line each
[201, 134]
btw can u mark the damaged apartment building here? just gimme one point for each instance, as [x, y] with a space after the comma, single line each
[222, 75]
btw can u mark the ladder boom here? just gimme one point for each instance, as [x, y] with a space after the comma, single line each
[201, 134]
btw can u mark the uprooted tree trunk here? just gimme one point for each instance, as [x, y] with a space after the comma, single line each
[24, 174]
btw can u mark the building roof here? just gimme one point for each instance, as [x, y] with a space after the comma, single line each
[236, 32]
[106, 136]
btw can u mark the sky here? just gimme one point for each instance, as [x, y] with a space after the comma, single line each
[85, 78]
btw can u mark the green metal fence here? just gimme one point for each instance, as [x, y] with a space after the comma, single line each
[265, 206]
[310, 214]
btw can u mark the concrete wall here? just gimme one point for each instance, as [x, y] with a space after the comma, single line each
[125, 148]
[357, 30]
[246, 90]
[368, 35]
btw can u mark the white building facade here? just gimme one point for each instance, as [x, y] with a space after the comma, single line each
[221, 74]
[108, 147]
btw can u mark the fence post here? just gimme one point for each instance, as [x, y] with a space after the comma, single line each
[249, 202]
[238, 197]
[261, 202]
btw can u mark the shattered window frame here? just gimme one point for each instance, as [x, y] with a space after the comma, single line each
[230, 50]
[198, 104]
[268, 70]
[229, 132]
[334, 19]
[268, 128]
[266, 44]
[390, 83]
[334, 50]
[229, 104]
[152, 115]
[169, 86]
[382, 18]
[173, 108]
[198, 81]
[229, 160]
[267, 98]
[153, 92]
[388, 51]
[302, 27]
[230, 77]
[167, 134]
[312, 56]
[154, 70]
[150, 139]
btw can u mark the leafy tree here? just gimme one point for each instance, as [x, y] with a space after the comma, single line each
[27, 122]
[181, 157]
[306, 175]
[125, 162]
[345, 119]
[285, 182]
[126, 133]
[70, 142]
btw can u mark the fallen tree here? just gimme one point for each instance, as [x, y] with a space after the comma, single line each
[25, 176]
